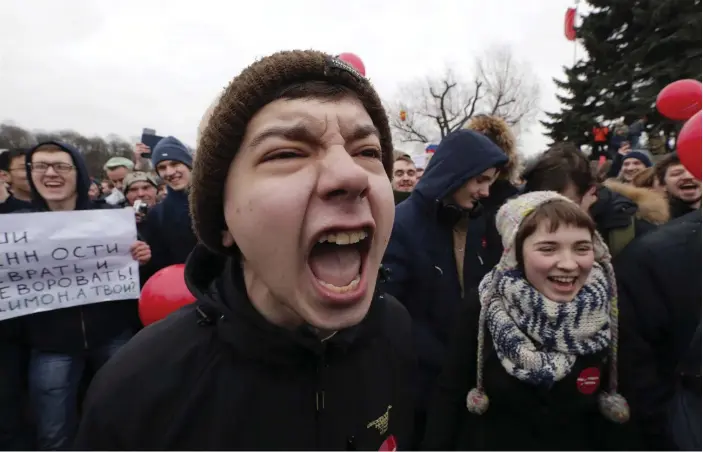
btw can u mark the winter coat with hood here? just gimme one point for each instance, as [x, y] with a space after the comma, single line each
[659, 285]
[71, 330]
[168, 229]
[420, 257]
[500, 133]
[217, 376]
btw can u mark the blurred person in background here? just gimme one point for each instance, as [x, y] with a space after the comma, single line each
[106, 187]
[14, 352]
[94, 192]
[621, 211]
[142, 162]
[683, 189]
[64, 342]
[628, 162]
[438, 251]
[14, 173]
[404, 176]
[507, 183]
[168, 228]
[117, 169]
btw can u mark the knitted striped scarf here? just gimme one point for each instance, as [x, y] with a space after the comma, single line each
[536, 339]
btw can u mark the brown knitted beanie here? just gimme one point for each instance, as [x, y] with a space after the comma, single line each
[225, 123]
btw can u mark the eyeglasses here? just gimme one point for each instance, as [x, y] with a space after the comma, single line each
[59, 167]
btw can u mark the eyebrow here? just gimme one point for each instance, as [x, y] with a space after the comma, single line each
[550, 242]
[361, 132]
[300, 132]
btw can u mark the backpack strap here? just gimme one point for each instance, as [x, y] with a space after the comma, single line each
[620, 237]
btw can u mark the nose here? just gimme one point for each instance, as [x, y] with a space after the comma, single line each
[567, 262]
[341, 177]
[687, 176]
[484, 190]
[50, 171]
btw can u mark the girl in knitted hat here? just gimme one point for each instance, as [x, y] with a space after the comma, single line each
[533, 364]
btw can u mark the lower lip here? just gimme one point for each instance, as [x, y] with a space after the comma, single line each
[349, 297]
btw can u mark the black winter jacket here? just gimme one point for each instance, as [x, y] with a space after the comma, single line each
[217, 376]
[520, 416]
[420, 254]
[168, 231]
[659, 286]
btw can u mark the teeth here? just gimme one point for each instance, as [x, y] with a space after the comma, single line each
[564, 279]
[351, 286]
[344, 238]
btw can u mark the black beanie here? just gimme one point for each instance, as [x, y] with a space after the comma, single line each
[256, 86]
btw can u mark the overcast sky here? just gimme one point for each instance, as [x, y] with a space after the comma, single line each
[103, 66]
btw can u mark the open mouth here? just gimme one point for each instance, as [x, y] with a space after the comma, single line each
[337, 262]
[690, 186]
[563, 283]
[53, 184]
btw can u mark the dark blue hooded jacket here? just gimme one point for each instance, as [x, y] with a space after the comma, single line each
[168, 229]
[420, 255]
[71, 330]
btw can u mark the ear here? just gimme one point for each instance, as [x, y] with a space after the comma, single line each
[227, 239]
[4, 177]
[591, 191]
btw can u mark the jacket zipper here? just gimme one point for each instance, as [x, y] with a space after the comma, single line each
[85, 336]
[320, 396]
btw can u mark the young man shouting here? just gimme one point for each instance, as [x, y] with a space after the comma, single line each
[290, 345]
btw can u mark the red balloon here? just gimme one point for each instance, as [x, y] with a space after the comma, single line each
[354, 60]
[164, 293]
[680, 100]
[688, 146]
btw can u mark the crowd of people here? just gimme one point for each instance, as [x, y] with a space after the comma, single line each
[347, 299]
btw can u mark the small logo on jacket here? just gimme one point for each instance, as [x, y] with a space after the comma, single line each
[588, 381]
[382, 422]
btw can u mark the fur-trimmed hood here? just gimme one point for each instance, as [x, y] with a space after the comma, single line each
[499, 132]
[651, 205]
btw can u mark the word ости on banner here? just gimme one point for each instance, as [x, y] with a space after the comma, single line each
[54, 260]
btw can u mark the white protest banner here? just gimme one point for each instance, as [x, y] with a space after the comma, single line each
[54, 260]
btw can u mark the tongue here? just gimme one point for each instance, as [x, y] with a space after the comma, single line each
[335, 264]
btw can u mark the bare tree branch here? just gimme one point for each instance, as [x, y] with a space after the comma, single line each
[438, 105]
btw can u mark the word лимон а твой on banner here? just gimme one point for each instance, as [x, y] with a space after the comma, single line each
[54, 260]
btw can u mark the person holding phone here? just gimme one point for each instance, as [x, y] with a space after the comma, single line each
[142, 150]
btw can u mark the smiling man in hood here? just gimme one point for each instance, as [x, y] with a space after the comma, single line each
[439, 249]
[290, 345]
[65, 341]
